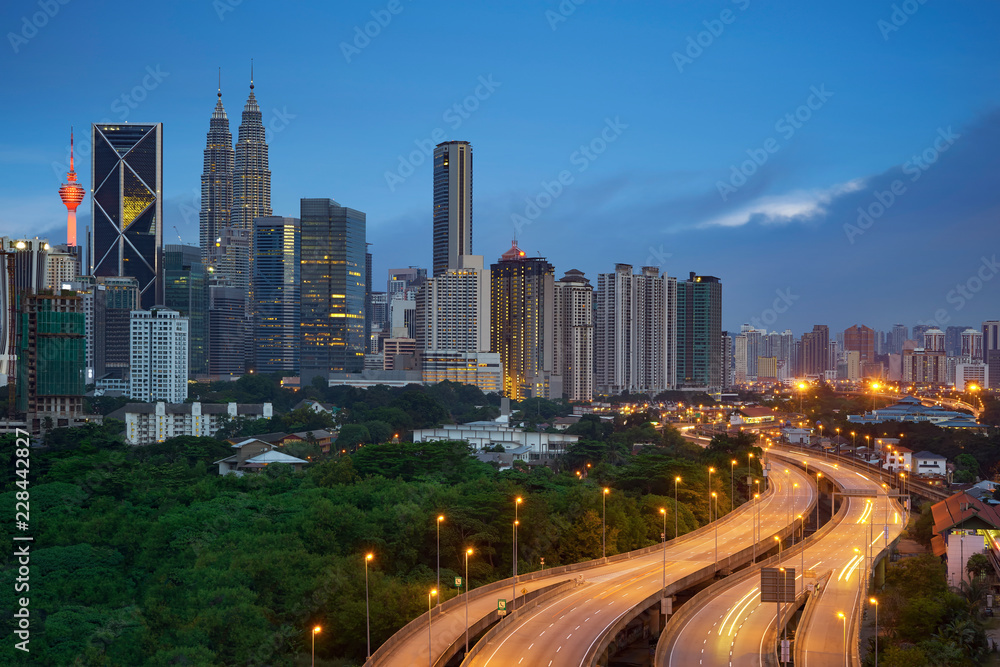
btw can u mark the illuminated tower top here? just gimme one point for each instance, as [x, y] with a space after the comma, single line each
[72, 194]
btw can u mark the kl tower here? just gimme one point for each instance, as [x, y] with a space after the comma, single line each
[72, 194]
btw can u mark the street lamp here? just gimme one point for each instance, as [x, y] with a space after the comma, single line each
[368, 615]
[430, 655]
[749, 471]
[802, 389]
[874, 602]
[676, 482]
[440, 519]
[663, 537]
[710, 471]
[843, 618]
[468, 552]
[604, 522]
[875, 386]
[819, 491]
[517, 503]
[315, 632]
[732, 484]
[715, 497]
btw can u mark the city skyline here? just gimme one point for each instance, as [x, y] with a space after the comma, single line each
[653, 195]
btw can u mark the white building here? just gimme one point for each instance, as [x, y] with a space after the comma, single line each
[929, 463]
[146, 423]
[634, 325]
[573, 335]
[455, 308]
[485, 434]
[972, 374]
[158, 350]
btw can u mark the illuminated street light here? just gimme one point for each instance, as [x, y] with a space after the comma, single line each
[440, 519]
[677, 481]
[368, 622]
[604, 522]
[315, 632]
[468, 552]
[432, 593]
[874, 602]
[663, 538]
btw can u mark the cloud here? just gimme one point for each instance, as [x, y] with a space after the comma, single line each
[798, 206]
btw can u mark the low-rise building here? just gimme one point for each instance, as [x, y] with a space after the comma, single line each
[253, 455]
[487, 434]
[899, 459]
[928, 463]
[146, 423]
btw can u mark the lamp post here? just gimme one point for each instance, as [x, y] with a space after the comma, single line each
[430, 655]
[732, 484]
[368, 615]
[468, 552]
[715, 497]
[604, 522]
[843, 618]
[315, 632]
[819, 491]
[710, 471]
[440, 519]
[875, 386]
[749, 472]
[676, 482]
[517, 503]
[874, 602]
[663, 538]
[802, 389]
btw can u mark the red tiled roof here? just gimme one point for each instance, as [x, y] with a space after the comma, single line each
[959, 507]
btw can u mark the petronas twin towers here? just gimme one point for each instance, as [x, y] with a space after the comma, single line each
[235, 190]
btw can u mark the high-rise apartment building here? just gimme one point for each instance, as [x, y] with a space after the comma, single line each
[634, 323]
[934, 340]
[216, 183]
[699, 333]
[452, 204]
[971, 345]
[953, 340]
[185, 289]
[900, 334]
[159, 356]
[521, 298]
[30, 258]
[227, 330]
[991, 351]
[126, 208]
[454, 309]
[51, 357]
[276, 277]
[861, 339]
[332, 250]
[573, 335]
[815, 351]
[62, 266]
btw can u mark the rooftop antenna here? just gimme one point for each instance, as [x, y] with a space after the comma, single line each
[220, 83]
[251, 74]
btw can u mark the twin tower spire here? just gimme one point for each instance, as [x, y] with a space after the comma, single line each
[235, 189]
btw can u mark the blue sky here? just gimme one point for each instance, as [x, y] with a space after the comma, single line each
[671, 99]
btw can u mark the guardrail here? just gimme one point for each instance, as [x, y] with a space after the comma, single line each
[671, 632]
[420, 622]
[604, 640]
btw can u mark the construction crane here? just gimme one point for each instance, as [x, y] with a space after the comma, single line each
[178, 235]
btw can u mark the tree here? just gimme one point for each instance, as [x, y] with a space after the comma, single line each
[352, 435]
[978, 565]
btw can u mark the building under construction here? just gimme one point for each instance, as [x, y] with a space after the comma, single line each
[51, 359]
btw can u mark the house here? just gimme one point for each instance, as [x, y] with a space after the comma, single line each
[317, 407]
[320, 437]
[563, 423]
[898, 459]
[752, 415]
[252, 455]
[963, 525]
[796, 436]
[929, 463]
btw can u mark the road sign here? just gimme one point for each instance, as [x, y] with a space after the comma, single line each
[458, 582]
[667, 606]
[786, 652]
[777, 586]
[502, 607]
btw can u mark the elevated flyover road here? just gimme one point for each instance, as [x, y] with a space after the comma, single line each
[730, 625]
[573, 629]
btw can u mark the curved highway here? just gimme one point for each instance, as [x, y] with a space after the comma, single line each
[563, 631]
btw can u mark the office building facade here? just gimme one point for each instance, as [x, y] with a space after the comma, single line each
[185, 289]
[126, 208]
[699, 333]
[216, 183]
[332, 312]
[452, 204]
[276, 295]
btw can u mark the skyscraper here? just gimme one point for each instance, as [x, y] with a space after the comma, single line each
[276, 295]
[521, 303]
[227, 330]
[50, 369]
[332, 250]
[699, 333]
[815, 351]
[72, 195]
[634, 330]
[861, 339]
[158, 349]
[452, 204]
[126, 208]
[573, 337]
[251, 185]
[454, 309]
[185, 289]
[900, 334]
[216, 183]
